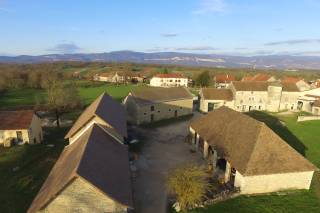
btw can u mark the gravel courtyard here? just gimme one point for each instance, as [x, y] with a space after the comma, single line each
[163, 149]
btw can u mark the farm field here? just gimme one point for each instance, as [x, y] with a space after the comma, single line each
[304, 137]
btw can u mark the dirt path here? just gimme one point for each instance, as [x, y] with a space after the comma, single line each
[164, 149]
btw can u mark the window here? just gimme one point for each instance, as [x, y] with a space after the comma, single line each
[158, 111]
[152, 108]
[145, 113]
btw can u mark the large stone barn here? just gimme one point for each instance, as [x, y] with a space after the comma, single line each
[246, 153]
[151, 104]
[104, 111]
[91, 175]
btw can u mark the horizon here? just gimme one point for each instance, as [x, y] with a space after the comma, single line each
[221, 27]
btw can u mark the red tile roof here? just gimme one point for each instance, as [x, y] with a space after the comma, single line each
[224, 78]
[13, 120]
[257, 77]
[170, 75]
[290, 79]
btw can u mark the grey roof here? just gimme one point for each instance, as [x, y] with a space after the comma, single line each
[150, 95]
[217, 94]
[96, 157]
[105, 107]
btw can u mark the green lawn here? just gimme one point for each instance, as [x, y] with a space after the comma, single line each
[304, 137]
[18, 188]
[26, 97]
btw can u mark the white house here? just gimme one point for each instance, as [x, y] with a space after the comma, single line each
[169, 80]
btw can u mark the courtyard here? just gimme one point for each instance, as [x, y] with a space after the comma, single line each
[163, 149]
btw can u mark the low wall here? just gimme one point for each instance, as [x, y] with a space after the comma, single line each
[308, 118]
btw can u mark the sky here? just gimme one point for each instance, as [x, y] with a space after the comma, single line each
[235, 27]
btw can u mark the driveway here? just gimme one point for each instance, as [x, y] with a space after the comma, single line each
[164, 149]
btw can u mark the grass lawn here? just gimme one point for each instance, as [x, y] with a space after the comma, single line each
[27, 97]
[304, 137]
[18, 188]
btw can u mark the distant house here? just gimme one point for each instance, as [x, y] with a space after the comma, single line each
[212, 98]
[260, 77]
[301, 83]
[105, 111]
[223, 80]
[308, 100]
[151, 104]
[92, 174]
[169, 80]
[316, 107]
[22, 126]
[120, 77]
[252, 95]
[247, 154]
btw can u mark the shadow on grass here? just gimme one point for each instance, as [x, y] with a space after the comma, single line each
[278, 127]
[18, 188]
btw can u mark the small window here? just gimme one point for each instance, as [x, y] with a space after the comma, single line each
[152, 108]
[169, 110]
[145, 113]
[158, 111]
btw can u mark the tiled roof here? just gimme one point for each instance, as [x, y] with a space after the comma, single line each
[217, 94]
[13, 120]
[170, 75]
[250, 86]
[224, 78]
[107, 109]
[290, 79]
[149, 95]
[96, 157]
[249, 145]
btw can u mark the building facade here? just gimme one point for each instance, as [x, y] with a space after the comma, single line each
[223, 80]
[169, 80]
[250, 95]
[20, 127]
[152, 104]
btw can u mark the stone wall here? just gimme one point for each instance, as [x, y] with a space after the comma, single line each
[272, 183]
[81, 197]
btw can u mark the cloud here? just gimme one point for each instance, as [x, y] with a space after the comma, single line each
[66, 48]
[210, 6]
[169, 35]
[293, 42]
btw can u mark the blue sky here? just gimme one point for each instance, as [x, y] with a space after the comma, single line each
[241, 27]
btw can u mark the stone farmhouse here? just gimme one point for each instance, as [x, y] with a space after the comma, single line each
[223, 80]
[22, 126]
[169, 80]
[151, 104]
[252, 95]
[308, 101]
[247, 154]
[92, 173]
[120, 77]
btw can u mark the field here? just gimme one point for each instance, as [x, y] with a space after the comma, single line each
[304, 137]
[27, 97]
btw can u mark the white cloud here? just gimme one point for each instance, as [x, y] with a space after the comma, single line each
[169, 35]
[211, 6]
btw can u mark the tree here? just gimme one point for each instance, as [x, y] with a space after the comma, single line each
[189, 184]
[62, 97]
[204, 79]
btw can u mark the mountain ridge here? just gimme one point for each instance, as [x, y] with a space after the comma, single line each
[176, 58]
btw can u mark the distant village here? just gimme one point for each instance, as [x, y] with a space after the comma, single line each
[96, 170]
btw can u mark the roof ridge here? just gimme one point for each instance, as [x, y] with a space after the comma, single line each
[261, 125]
